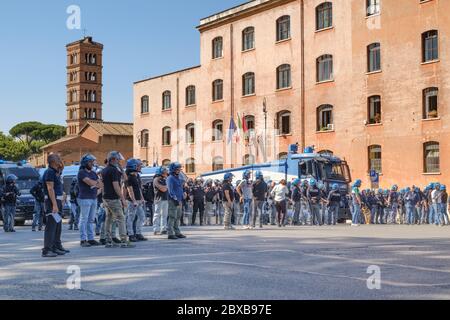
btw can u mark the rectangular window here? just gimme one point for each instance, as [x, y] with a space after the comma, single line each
[374, 110]
[431, 103]
[249, 85]
[374, 53]
[432, 158]
[283, 28]
[430, 46]
[373, 7]
[375, 158]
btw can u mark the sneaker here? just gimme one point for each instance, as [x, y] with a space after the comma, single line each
[115, 240]
[85, 244]
[64, 249]
[172, 237]
[164, 232]
[127, 244]
[111, 245]
[355, 225]
[70, 228]
[103, 242]
[140, 237]
[181, 236]
[49, 254]
[40, 229]
[33, 230]
[59, 252]
[94, 243]
[133, 239]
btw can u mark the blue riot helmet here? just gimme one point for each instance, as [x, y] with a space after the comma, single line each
[160, 171]
[228, 177]
[84, 162]
[437, 185]
[174, 167]
[246, 175]
[320, 185]
[335, 186]
[312, 182]
[259, 175]
[115, 155]
[443, 187]
[132, 164]
[357, 183]
[296, 182]
[408, 189]
[305, 183]
[11, 178]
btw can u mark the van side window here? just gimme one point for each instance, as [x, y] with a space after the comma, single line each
[306, 169]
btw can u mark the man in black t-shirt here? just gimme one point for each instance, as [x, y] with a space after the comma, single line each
[113, 200]
[228, 192]
[135, 199]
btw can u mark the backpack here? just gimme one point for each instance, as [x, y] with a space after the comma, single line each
[148, 192]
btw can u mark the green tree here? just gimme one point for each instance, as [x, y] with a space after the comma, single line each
[13, 150]
[26, 131]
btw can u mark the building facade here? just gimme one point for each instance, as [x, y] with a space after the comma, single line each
[86, 130]
[365, 80]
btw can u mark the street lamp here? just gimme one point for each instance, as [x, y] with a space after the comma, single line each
[265, 128]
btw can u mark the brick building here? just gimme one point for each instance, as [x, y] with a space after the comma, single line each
[366, 80]
[86, 131]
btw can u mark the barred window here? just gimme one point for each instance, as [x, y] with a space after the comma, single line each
[375, 158]
[431, 157]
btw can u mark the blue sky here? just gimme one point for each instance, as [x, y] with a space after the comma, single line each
[141, 38]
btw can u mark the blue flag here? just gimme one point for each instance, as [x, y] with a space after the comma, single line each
[231, 131]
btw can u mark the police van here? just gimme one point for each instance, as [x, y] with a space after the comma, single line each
[28, 177]
[325, 169]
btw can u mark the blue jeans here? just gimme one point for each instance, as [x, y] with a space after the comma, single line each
[333, 212]
[101, 217]
[160, 217]
[315, 212]
[356, 213]
[442, 216]
[393, 213]
[88, 210]
[74, 215]
[410, 213]
[135, 214]
[432, 214]
[38, 215]
[247, 212]
[9, 217]
[436, 214]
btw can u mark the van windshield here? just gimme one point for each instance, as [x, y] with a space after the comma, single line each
[336, 171]
[27, 177]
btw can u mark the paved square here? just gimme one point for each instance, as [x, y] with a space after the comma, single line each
[290, 263]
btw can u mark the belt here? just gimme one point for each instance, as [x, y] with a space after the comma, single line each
[61, 198]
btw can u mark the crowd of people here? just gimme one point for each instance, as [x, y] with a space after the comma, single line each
[112, 203]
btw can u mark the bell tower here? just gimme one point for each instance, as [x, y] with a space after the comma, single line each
[84, 84]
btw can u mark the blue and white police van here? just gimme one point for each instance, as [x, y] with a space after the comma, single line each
[28, 177]
[325, 169]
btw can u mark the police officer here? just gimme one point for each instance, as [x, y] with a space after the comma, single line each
[259, 197]
[357, 203]
[245, 191]
[39, 210]
[305, 208]
[442, 205]
[135, 199]
[236, 218]
[393, 204]
[296, 198]
[210, 195]
[54, 195]
[161, 201]
[176, 195]
[10, 194]
[74, 208]
[333, 204]
[228, 200]
[198, 197]
[381, 204]
[314, 198]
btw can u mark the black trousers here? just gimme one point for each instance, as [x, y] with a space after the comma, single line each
[199, 205]
[52, 234]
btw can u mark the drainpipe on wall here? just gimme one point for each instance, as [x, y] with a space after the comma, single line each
[178, 119]
[302, 67]
[232, 86]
